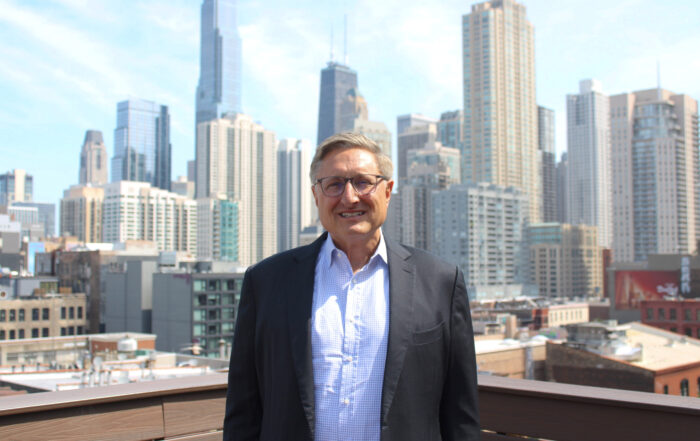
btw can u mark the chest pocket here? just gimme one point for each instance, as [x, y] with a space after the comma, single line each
[429, 335]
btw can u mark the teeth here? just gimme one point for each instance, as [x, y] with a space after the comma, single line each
[351, 214]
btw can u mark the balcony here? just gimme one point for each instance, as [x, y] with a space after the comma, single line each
[191, 409]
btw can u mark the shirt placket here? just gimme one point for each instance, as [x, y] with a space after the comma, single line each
[351, 346]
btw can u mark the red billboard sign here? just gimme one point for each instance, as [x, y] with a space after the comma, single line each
[631, 287]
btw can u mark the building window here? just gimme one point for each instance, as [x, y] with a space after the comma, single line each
[63, 312]
[674, 329]
[79, 330]
[21, 333]
[687, 315]
[214, 285]
[12, 315]
[12, 334]
[44, 332]
[200, 300]
[63, 331]
[35, 332]
[672, 314]
[3, 315]
[697, 315]
[71, 313]
[684, 387]
[650, 313]
[71, 330]
[662, 314]
[689, 332]
[45, 313]
[35, 314]
[200, 285]
[2, 337]
[80, 312]
[21, 315]
[231, 284]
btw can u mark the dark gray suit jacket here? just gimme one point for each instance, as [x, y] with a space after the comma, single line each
[430, 389]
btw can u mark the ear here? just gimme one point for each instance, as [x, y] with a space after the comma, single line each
[389, 187]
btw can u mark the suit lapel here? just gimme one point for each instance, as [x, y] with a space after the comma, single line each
[299, 303]
[401, 274]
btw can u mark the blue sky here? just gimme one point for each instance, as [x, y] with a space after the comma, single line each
[64, 64]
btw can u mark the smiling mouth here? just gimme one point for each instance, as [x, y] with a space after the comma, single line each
[354, 214]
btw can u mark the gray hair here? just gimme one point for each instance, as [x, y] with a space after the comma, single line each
[348, 140]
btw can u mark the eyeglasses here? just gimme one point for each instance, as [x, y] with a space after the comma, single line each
[334, 186]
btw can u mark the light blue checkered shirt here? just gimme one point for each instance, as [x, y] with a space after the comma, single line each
[350, 329]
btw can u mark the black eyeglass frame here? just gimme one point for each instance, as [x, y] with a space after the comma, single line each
[352, 183]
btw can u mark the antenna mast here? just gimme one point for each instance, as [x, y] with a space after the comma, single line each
[345, 42]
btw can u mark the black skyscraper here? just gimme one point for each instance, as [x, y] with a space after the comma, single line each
[336, 81]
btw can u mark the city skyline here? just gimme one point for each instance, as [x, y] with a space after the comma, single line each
[67, 66]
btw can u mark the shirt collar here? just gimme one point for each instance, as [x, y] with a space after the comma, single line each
[328, 248]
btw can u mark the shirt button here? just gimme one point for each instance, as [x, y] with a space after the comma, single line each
[346, 401]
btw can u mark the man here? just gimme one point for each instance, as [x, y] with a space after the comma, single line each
[354, 337]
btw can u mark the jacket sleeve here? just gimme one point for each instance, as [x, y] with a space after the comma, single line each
[243, 416]
[459, 409]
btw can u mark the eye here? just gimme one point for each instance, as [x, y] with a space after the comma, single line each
[333, 184]
[363, 182]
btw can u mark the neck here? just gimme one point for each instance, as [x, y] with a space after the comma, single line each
[359, 252]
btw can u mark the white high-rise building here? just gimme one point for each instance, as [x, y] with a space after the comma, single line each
[481, 228]
[500, 107]
[137, 211]
[236, 157]
[588, 174]
[294, 197]
[655, 174]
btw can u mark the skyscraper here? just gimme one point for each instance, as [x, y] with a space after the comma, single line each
[413, 137]
[293, 191]
[138, 211]
[433, 167]
[81, 213]
[236, 158]
[481, 228]
[547, 163]
[451, 129]
[336, 81]
[16, 186]
[219, 88]
[142, 150]
[500, 110]
[588, 139]
[654, 138]
[93, 159]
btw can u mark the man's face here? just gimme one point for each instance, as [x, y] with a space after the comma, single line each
[351, 218]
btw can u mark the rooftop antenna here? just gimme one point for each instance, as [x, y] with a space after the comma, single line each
[345, 42]
[332, 51]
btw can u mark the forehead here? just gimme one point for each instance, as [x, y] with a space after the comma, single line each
[351, 159]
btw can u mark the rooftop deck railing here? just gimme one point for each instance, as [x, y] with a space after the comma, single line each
[190, 409]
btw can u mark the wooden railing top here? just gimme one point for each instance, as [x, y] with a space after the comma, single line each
[38, 402]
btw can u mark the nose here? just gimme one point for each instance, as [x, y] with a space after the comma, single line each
[349, 194]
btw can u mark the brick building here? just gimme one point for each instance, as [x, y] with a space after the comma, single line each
[632, 357]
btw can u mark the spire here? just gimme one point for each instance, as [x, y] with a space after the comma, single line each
[345, 40]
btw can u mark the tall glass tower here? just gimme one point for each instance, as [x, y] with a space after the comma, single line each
[219, 88]
[142, 149]
[336, 82]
